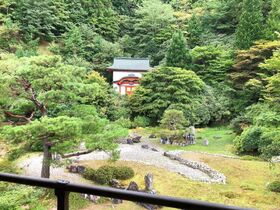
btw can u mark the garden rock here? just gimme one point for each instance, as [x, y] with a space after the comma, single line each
[129, 141]
[133, 186]
[152, 136]
[81, 169]
[205, 142]
[145, 146]
[216, 176]
[136, 139]
[149, 182]
[164, 140]
[154, 149]
[116, 201]
[92, 198]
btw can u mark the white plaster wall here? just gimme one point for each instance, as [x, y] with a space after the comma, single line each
[122, 90]
[117, 75]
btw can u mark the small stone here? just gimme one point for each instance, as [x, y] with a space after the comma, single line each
[145, 146]
[154, 149]
[81, 169]
[152, 136]
[129, 141]
[205, 142]
[116, 201]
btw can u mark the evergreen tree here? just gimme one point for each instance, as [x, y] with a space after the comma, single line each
[249, 28]
[177, 53]
[273, 22]
[195, 30]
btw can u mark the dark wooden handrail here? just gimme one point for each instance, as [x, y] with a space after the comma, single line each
[63, 188]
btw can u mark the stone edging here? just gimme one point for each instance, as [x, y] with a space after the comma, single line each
[216, 176]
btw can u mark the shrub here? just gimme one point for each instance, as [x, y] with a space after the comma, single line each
[105, 174]
[7, 167]
[141, 121]
[89, 174]
[274, 186]
[248, 141]
[239, 123]
[124, 122]
[173, 119]
[124, 173]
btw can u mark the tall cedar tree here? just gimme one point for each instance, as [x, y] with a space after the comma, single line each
[273, 22]
[249, 28]
[178, 54]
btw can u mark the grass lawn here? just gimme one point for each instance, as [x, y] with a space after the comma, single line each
[220, 139]
[245, 187]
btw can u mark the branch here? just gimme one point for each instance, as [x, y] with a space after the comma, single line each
[28, 119]
[76, 154]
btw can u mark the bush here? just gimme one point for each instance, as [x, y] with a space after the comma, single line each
[248, 141]
[274, 186]
[124, 122]
[7, 167]
[173, 119]
[89, 174]
[124, 173]
[105, 174]
[239, 123]
[141, 121]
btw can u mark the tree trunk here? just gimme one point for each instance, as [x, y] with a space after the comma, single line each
[45, 172]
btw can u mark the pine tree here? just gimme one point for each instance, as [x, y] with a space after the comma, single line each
[249, 28]
[177, 54]
[273, 22]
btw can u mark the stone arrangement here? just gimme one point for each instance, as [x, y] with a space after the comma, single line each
[216, 176]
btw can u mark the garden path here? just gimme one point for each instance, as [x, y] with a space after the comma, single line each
[32, 165]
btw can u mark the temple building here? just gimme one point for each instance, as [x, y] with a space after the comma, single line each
[127, 72]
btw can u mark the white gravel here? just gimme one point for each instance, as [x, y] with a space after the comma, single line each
[32, 166]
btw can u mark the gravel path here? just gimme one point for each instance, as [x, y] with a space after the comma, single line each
[32, 165]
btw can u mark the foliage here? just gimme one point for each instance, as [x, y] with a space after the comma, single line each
[195, 30]
[211, 63]
[141, 121]
[250, 23]
[124, 173]
[16, 196]
[106, 173]
[152, 29]
[162, 86]
[173, 119]
[124, 122]
[273, 21]
[249, 75]
[7, 167]
[177, 53]
[274, 186]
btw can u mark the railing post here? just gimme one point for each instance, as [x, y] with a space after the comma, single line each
[62, 195]
[62, 199]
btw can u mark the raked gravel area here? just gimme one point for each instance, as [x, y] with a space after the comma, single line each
[32, 166]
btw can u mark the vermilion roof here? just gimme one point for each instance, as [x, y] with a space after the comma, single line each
[122, 64]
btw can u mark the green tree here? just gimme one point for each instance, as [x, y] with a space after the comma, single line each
[211, 63]
[152, 29]
[273, 21]
[173, 88]
[173, 119]
[194, 30]
[177, 53]
[250, 23]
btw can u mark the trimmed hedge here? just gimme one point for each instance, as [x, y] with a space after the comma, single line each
[105, 174]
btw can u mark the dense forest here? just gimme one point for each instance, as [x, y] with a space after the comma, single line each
[215, 62]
